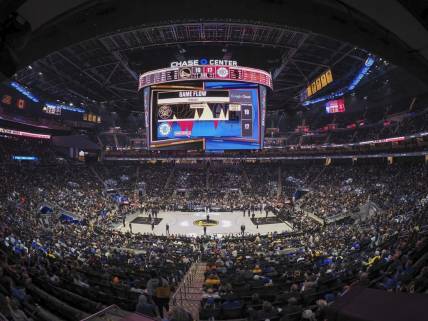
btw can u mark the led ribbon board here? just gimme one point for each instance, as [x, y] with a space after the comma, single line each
[23, 90]
[205, 72]
[363, 71]
[59, 107]
[28, 158]
[23, 134]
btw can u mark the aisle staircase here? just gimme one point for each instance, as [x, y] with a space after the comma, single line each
[116, 141]
[207, 179]
[246, 179]
[189, 293]
[97, 175]
[170, 177]
[317, 177]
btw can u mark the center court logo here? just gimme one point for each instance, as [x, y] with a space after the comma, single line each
[164, 129]
[202, 223]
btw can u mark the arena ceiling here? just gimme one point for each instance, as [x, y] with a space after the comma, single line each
[106, 68]
[92, 51]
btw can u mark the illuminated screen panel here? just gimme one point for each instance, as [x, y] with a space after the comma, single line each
[211, 116]
[207, 73]
[335, 106]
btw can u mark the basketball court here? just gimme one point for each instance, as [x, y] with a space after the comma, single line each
[192, 224]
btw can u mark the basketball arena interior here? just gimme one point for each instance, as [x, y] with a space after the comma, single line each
[246, 160]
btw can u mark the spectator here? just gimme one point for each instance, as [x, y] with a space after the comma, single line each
[146, 308]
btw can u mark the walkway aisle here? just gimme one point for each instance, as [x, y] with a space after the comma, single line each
[189, 293]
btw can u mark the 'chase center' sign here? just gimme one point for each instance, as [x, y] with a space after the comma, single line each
[204, 61]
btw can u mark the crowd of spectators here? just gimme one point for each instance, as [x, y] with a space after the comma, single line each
[295, 276]
[72, 270]
[13, 146]
[57, 270]
[338, 190]
[395, 126]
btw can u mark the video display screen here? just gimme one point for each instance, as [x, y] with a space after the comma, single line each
[335, 106]
[206, 115]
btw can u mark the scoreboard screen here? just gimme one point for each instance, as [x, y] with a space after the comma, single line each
[207, 72]
[206, 115]
[335, 106]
